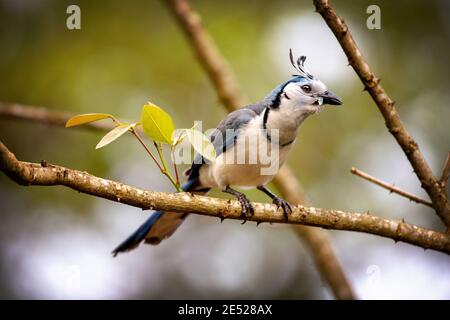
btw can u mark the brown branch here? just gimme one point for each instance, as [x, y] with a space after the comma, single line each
[445, 173]
[227, 90]
[44, 116]
[317, 240]
[208, 54]
[45, 174]
[386, 106]
[390, 187]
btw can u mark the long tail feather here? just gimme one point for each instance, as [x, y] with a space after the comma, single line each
[138, 236]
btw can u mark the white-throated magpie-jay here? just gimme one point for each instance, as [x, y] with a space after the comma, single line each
[269, 125]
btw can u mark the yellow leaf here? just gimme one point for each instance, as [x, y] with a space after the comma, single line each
[86, 118]
[201, 144]
[157, 123]
[114, 134]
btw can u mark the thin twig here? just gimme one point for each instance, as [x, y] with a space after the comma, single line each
[208, 54]
[387, 108]
[390, 187]
[165, 169]
[133, 131]
[41, 115]
[175, 167]
[44, 174]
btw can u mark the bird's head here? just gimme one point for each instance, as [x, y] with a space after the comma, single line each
[303, 91]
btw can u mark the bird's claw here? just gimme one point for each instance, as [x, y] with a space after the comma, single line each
[284, 205]
[247, 208]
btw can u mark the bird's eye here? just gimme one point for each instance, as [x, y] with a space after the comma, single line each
[306, 88]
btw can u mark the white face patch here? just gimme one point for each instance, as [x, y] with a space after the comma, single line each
[293, 91]
[298, 97]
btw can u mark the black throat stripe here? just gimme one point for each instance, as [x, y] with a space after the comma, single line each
[269, 138]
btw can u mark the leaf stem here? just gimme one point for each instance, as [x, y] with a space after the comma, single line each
[165, 169]
[146, 149]
[117, 122]
[175, 168]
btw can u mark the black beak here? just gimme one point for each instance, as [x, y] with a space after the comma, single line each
[331, 98]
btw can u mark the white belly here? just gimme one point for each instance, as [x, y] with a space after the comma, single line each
[251, 162]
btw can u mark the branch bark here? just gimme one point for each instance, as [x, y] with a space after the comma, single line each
[208, 54]
[390, 187]
[9, 110]
[44, 174]
[445, 172]
[387, 108]
[227, 90]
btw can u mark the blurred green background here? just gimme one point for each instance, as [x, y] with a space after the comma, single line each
[56, 243]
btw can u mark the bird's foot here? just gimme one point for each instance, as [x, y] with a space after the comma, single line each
[247, 208]
[284, 205]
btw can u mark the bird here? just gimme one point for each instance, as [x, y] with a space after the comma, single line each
[271, 124]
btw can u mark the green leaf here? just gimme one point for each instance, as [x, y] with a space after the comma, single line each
[201, 144]
[157, 123]
[114, 134]
[86, 118]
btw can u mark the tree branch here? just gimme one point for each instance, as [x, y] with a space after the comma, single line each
[390, 187]
[445, 173]
[208, 54]
[386, 106]
[43, 115]
[227, 90]
[45, 174]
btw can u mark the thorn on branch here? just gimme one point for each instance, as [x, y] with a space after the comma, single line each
[391, 187]
[445, 173]
[394, 130]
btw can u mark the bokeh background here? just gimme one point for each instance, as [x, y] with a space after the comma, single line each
[56, 243]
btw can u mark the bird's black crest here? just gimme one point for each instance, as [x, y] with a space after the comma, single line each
[299, 65]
